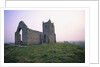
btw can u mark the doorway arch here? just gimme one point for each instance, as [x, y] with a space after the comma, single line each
[21, 34]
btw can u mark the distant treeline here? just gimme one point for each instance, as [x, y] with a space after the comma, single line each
[81, 43]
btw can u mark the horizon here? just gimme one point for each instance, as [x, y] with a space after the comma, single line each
[56, 42]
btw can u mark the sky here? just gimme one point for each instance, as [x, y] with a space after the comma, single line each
[69, 24]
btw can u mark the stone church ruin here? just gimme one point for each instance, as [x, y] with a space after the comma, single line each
[30, 37]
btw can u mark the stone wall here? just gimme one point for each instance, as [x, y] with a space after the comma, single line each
[33, 37]
[48, 30]
[52, 38]
[22, 27]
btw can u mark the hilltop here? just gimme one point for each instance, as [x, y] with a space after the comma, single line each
[46, 53]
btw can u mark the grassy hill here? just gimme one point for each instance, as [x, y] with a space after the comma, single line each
[48, 53]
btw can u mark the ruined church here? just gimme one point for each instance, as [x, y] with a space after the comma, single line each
[31, 37]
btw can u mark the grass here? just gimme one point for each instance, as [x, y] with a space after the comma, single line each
[48, 53]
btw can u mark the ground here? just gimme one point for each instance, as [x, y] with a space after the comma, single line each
[47, 53]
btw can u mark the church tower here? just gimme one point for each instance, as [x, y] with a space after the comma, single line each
[48, 27]
[48, 32]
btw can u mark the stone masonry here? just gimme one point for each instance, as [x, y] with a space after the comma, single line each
[31, 37]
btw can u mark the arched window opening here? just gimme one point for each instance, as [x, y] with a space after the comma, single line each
[46, 26]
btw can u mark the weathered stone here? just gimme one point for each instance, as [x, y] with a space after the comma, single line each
[30, 37]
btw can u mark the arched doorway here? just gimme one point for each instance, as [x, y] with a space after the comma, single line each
[20, 36]
[44, 38]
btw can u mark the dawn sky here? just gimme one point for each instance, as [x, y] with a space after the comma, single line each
[69, 24]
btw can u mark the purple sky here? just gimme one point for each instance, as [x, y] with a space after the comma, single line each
[69, 24]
